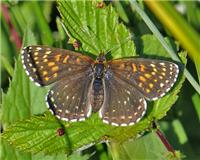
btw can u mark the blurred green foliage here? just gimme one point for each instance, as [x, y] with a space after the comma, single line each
[39, 23]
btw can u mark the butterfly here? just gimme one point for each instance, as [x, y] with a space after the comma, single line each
[117, 89]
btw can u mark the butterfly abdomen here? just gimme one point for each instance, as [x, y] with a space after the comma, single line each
[97, 96]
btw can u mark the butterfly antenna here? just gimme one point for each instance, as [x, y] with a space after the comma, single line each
[116, 47]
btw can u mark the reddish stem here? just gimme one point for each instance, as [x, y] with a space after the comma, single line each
[14, 37]
[165, 142]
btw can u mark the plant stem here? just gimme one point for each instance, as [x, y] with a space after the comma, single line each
[165, 142]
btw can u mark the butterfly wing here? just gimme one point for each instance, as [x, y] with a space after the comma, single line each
[123, 104]
[69, 99]
[152, 78]
[46, 65]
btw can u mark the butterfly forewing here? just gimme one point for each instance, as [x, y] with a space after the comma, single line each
[123, 104]
[152, 78]
[46, 65]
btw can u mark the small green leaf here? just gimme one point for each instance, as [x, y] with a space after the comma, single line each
[196, 102]
[146, 147]
[7, 65]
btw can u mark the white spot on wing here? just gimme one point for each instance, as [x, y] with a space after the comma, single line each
[51, 111]
[66, 111]
[161, 84]
[155, 98]
[123, 124]
[65, 119]
[167, 89]
[73, 120]
[114, 124]
[152, 65]
[105, 121]
[23, 51]
[37, 84]
[162, 94]
[27, 73]
[38, 48]
[89, 111]
[132, 123]
[162, 64]
[58, 116]
[81, 119]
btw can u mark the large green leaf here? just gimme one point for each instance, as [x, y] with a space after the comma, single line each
[98, 30]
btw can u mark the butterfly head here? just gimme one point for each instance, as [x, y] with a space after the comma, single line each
[99, 66]
[101, 58]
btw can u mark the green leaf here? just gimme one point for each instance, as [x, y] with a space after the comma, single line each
[180, 132]
[98, 32]
[97, 29]
[146, 147]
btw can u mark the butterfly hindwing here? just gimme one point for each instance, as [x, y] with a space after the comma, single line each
[69, 100]
[123, 104]
[45, 65]
[151, 77]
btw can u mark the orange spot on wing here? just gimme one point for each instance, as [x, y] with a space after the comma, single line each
[161, 77]
[51, 64]
[44, 73]
[122, 66]
[57, 57]
[65, 59]
[46, 78]
[54, 69]
[155, 80]
[78, 60]
[155, 70]
[142, 79]
[147, 75]
[140, 84]
[151, 85]
[163, 73]
[142, 67]
[36, 54]
[134, 67]
[55, 75]
[45, 56]
[147, 90]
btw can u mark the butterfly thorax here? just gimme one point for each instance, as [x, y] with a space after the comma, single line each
[99, 70]
[99, 66]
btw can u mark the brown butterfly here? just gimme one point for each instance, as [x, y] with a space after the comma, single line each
[117, 89]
